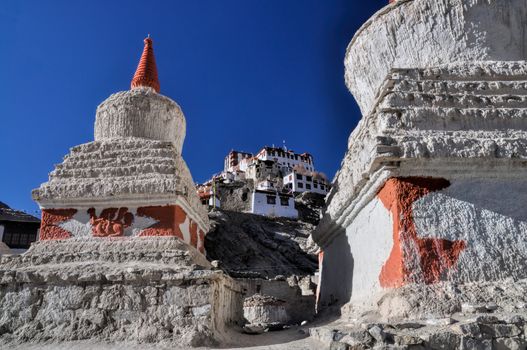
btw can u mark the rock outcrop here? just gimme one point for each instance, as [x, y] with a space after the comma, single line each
[272, 257]
[248, 245]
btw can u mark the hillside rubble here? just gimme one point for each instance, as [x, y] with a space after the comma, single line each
[310, 206]
[248, 245]
[478, 328]
[236, 195]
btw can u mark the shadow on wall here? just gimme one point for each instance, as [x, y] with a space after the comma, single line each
[336, 275]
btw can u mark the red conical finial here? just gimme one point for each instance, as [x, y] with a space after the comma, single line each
[146, 73]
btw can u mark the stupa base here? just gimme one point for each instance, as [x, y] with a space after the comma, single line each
[147, 289]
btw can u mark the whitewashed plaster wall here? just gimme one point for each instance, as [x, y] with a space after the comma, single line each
[490, 215]
[260, 206]
[353, 261]
[403, 35]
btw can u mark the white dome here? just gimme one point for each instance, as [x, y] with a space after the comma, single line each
[427, 33]
[141, 113]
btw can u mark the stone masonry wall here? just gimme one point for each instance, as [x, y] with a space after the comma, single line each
[147, 290]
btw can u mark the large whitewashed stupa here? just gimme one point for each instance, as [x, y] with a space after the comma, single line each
[432, 191]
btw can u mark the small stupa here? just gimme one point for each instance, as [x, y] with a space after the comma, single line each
[121, 249]
[132, 180]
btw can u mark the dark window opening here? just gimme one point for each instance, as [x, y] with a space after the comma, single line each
[299, 176]
[20, 235]
[308, 186]
[284, 201]
[300, 185]
[244, 196]
[271, 200]
[308, 178]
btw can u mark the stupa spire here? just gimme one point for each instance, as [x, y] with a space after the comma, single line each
[146, 73]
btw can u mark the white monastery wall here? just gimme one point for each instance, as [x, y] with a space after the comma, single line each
[260, 206]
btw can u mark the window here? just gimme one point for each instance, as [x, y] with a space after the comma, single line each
[296, 156]
[321, 187]
[204, 202]
[299, 176]
[300, 185]
[308, 186]
[308, 178]
[20, 234]
[284, 201]
[271, 200]
[315, 185]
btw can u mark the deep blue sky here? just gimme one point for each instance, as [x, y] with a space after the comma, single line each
[247, 73]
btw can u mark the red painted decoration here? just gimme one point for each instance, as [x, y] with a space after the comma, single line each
[168, 220]
[146, 73]
[201, 242]
[193, 234]
[436, 255]
[51, 219]
[111, 222]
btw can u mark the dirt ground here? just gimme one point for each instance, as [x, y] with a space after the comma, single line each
[291, 339]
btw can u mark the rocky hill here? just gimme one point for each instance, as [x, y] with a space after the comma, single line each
[248, 245]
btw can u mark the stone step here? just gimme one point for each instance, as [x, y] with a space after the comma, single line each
[452, 119]
[149, 184]
[461, 87]
[122, 144]
[132, 170]
[110, 163]
[414, 100]
[471, 144]
[513, 70]
[143, 153]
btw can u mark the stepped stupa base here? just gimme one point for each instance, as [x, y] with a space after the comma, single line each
[144, 289]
